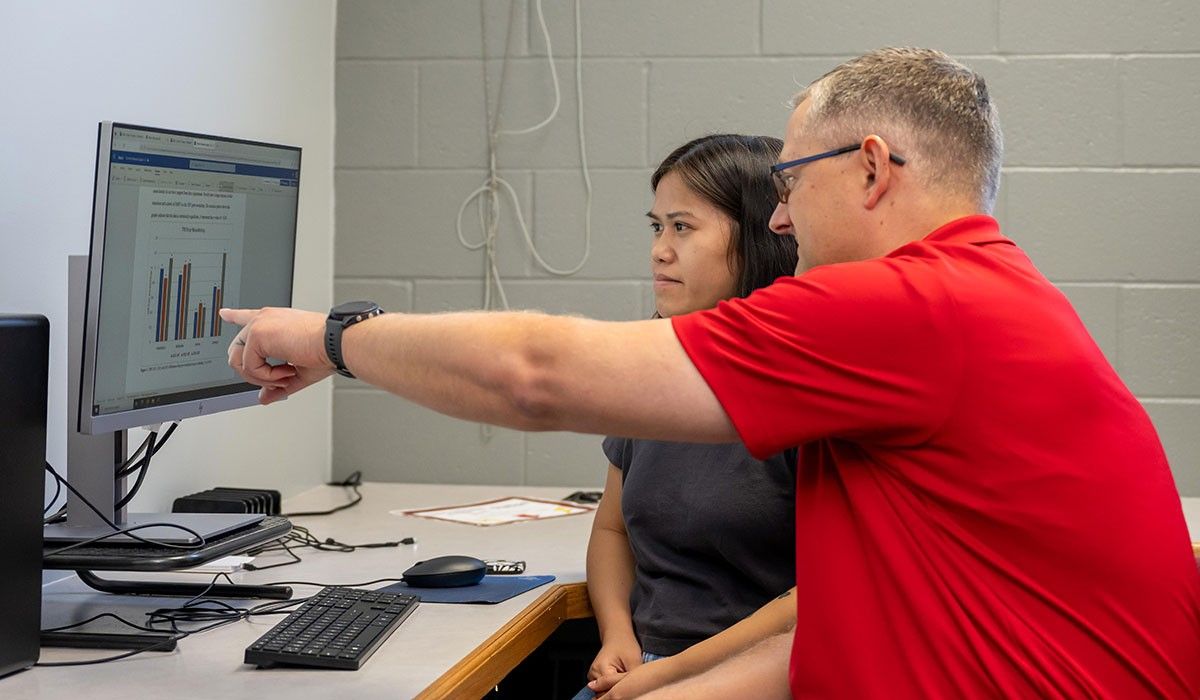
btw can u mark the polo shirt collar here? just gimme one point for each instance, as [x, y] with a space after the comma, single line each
[976, 229]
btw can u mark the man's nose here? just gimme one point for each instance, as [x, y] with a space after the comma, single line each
[781, 223]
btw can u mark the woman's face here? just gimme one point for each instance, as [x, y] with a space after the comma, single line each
[689, 258]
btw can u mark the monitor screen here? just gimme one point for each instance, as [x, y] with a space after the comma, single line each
[183, 224]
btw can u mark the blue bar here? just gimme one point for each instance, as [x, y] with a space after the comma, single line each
[203, 165]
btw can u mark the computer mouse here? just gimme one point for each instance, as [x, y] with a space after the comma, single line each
[445, 572]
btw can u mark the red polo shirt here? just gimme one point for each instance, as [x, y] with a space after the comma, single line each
[983, 509]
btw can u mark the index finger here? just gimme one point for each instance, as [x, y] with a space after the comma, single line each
[237, 316]
[604, 683]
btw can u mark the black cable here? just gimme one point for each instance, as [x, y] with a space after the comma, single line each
[153, 445]
[193, 600]
[93, 618]
[130, 466]
[333, 585]
[53, 500]
[343, 547]
[351, 482]
[300, 537]
[141, 475]
[193, 612]
[295, 560]
[119, 530]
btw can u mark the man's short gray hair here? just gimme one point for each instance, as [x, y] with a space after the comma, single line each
[933, 110]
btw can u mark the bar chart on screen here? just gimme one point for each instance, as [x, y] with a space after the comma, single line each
[191, 268]
[187, 289]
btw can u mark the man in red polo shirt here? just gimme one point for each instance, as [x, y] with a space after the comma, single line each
[983, 508]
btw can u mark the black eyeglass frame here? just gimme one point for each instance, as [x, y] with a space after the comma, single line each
[783, 189]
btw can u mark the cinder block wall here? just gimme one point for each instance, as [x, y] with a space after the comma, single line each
[1099, 101]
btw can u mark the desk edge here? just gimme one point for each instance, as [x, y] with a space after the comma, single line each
[500, 653]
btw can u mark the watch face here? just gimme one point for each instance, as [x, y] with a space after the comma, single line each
[353, 308]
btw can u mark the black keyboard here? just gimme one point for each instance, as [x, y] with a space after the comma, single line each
[336, 628]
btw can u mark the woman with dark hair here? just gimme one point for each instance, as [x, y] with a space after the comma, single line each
[692, 550]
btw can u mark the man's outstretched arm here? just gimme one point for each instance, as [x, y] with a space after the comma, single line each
[521, 370]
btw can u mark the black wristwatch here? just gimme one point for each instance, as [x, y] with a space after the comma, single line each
[340, 318]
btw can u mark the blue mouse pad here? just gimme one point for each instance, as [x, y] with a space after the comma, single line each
[492, 589]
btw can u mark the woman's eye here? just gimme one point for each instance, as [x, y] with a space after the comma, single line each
[656, 229]
[680, 226]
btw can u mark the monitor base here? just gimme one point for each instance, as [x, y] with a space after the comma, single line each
[190, 590]
[156, 527]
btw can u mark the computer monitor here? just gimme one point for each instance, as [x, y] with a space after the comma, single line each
[183, 224]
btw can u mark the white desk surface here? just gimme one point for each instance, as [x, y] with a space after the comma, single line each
[1191, 513]
[431, 640]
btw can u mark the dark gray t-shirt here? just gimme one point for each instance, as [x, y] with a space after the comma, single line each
[712, 531]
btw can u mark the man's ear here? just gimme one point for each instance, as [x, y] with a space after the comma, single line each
[875, 157]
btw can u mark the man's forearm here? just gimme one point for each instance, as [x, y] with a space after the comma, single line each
[537, 372]
[473, 366]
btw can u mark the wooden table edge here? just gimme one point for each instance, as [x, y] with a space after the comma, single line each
[500, 653]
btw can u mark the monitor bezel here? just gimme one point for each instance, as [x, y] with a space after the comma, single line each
[241, 395]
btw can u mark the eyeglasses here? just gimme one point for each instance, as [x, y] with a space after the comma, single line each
[784, 182]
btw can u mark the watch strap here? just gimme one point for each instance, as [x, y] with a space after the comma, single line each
[335, 325]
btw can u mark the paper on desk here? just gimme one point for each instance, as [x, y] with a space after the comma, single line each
[499, 511]
[224, 565]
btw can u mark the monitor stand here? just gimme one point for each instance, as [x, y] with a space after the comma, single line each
[93, 461]
[156, 527]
